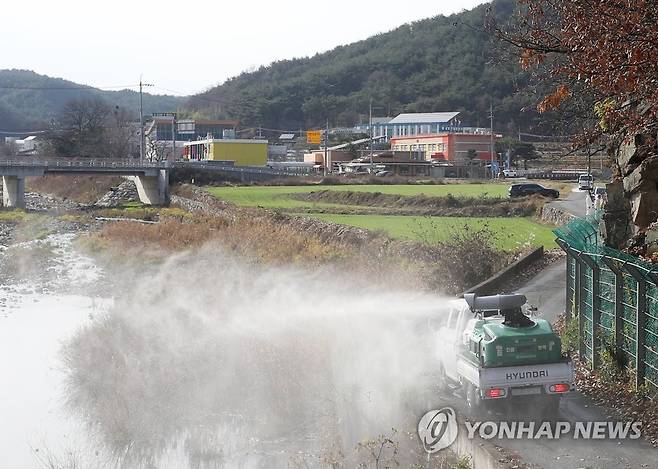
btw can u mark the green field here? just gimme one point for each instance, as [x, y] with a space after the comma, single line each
[511, 233]
[276, 196]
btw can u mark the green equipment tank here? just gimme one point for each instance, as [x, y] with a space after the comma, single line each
[512, 338]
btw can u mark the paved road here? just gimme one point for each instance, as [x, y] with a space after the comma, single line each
[547, 291]
[574, 204]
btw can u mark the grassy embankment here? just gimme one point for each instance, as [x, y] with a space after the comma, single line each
[512, 232]
[275, 238]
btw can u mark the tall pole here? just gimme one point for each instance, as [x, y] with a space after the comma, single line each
[370, 131]
[141, 121]
[492, 149]
[173, 136]
[326, 152]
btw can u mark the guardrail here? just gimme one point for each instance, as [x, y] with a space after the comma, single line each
[614, 296]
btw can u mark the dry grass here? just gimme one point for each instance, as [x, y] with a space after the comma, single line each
[421, 204]
[270, 237]
[270, 243]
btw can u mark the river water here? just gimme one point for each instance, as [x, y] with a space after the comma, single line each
[37, 316]
[240, 368]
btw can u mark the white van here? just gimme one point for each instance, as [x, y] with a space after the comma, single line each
[585, 182]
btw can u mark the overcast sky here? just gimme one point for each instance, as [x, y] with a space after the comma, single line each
[187, 46]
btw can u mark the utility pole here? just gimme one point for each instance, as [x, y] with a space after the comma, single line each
[492, 148]
[370, 131]
[326, 143]
[141, 119]
[173, 136]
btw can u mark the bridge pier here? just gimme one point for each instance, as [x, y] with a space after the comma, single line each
[13, 191]
[153, 190]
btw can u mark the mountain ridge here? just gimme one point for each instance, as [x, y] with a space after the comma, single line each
[30, 101]
[444, 63]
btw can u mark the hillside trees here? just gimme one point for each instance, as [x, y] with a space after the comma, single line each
[438, 64]
[93, 129]
[523, 151]
[29, 101]
[603, 50]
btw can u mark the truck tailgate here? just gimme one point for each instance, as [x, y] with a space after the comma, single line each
[527, 375]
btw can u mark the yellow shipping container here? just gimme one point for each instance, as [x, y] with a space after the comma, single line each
[243, 152]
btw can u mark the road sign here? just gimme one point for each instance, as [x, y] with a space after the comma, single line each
[314, 136]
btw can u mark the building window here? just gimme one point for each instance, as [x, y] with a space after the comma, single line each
[186, 127]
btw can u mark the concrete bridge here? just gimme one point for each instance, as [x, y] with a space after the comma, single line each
[151, 179]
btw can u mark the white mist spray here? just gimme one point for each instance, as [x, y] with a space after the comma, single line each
[292, 360]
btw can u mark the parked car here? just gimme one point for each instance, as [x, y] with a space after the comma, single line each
[585, 182]
[510, 173]
[384, 173]
[521, 190]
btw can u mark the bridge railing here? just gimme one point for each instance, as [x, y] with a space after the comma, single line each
[137, 165]
[80, 163]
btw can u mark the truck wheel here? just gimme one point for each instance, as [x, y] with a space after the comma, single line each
[473, 399]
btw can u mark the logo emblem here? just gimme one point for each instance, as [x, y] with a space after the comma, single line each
[437, 429]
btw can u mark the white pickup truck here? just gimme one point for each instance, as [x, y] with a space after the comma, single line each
[497, 354]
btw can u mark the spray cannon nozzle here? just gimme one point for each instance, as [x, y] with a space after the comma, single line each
[495, 302]
[509, 307]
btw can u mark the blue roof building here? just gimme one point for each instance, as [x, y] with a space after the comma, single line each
[410, 124]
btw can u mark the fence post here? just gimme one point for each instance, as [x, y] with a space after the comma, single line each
[570, 301]
[640, 323]
[579, 305]
[619, 293]
[569, 306]
[596, 310]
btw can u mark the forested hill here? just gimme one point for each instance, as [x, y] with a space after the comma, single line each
[438, 64]
[28, 101]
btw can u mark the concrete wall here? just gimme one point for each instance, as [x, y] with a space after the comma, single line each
[555, 215]
[13, 192]
[153, 190]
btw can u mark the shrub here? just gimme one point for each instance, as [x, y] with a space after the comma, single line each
[468, 258]
[569, 333]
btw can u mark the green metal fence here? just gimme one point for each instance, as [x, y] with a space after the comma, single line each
[614, 297]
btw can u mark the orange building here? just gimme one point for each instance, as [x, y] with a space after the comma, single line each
[446, 146]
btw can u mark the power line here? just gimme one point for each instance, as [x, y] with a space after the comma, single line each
[23, 131]
[66, 88]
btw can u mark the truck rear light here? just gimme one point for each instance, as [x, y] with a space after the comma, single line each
[561, 387]
[495, 392]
